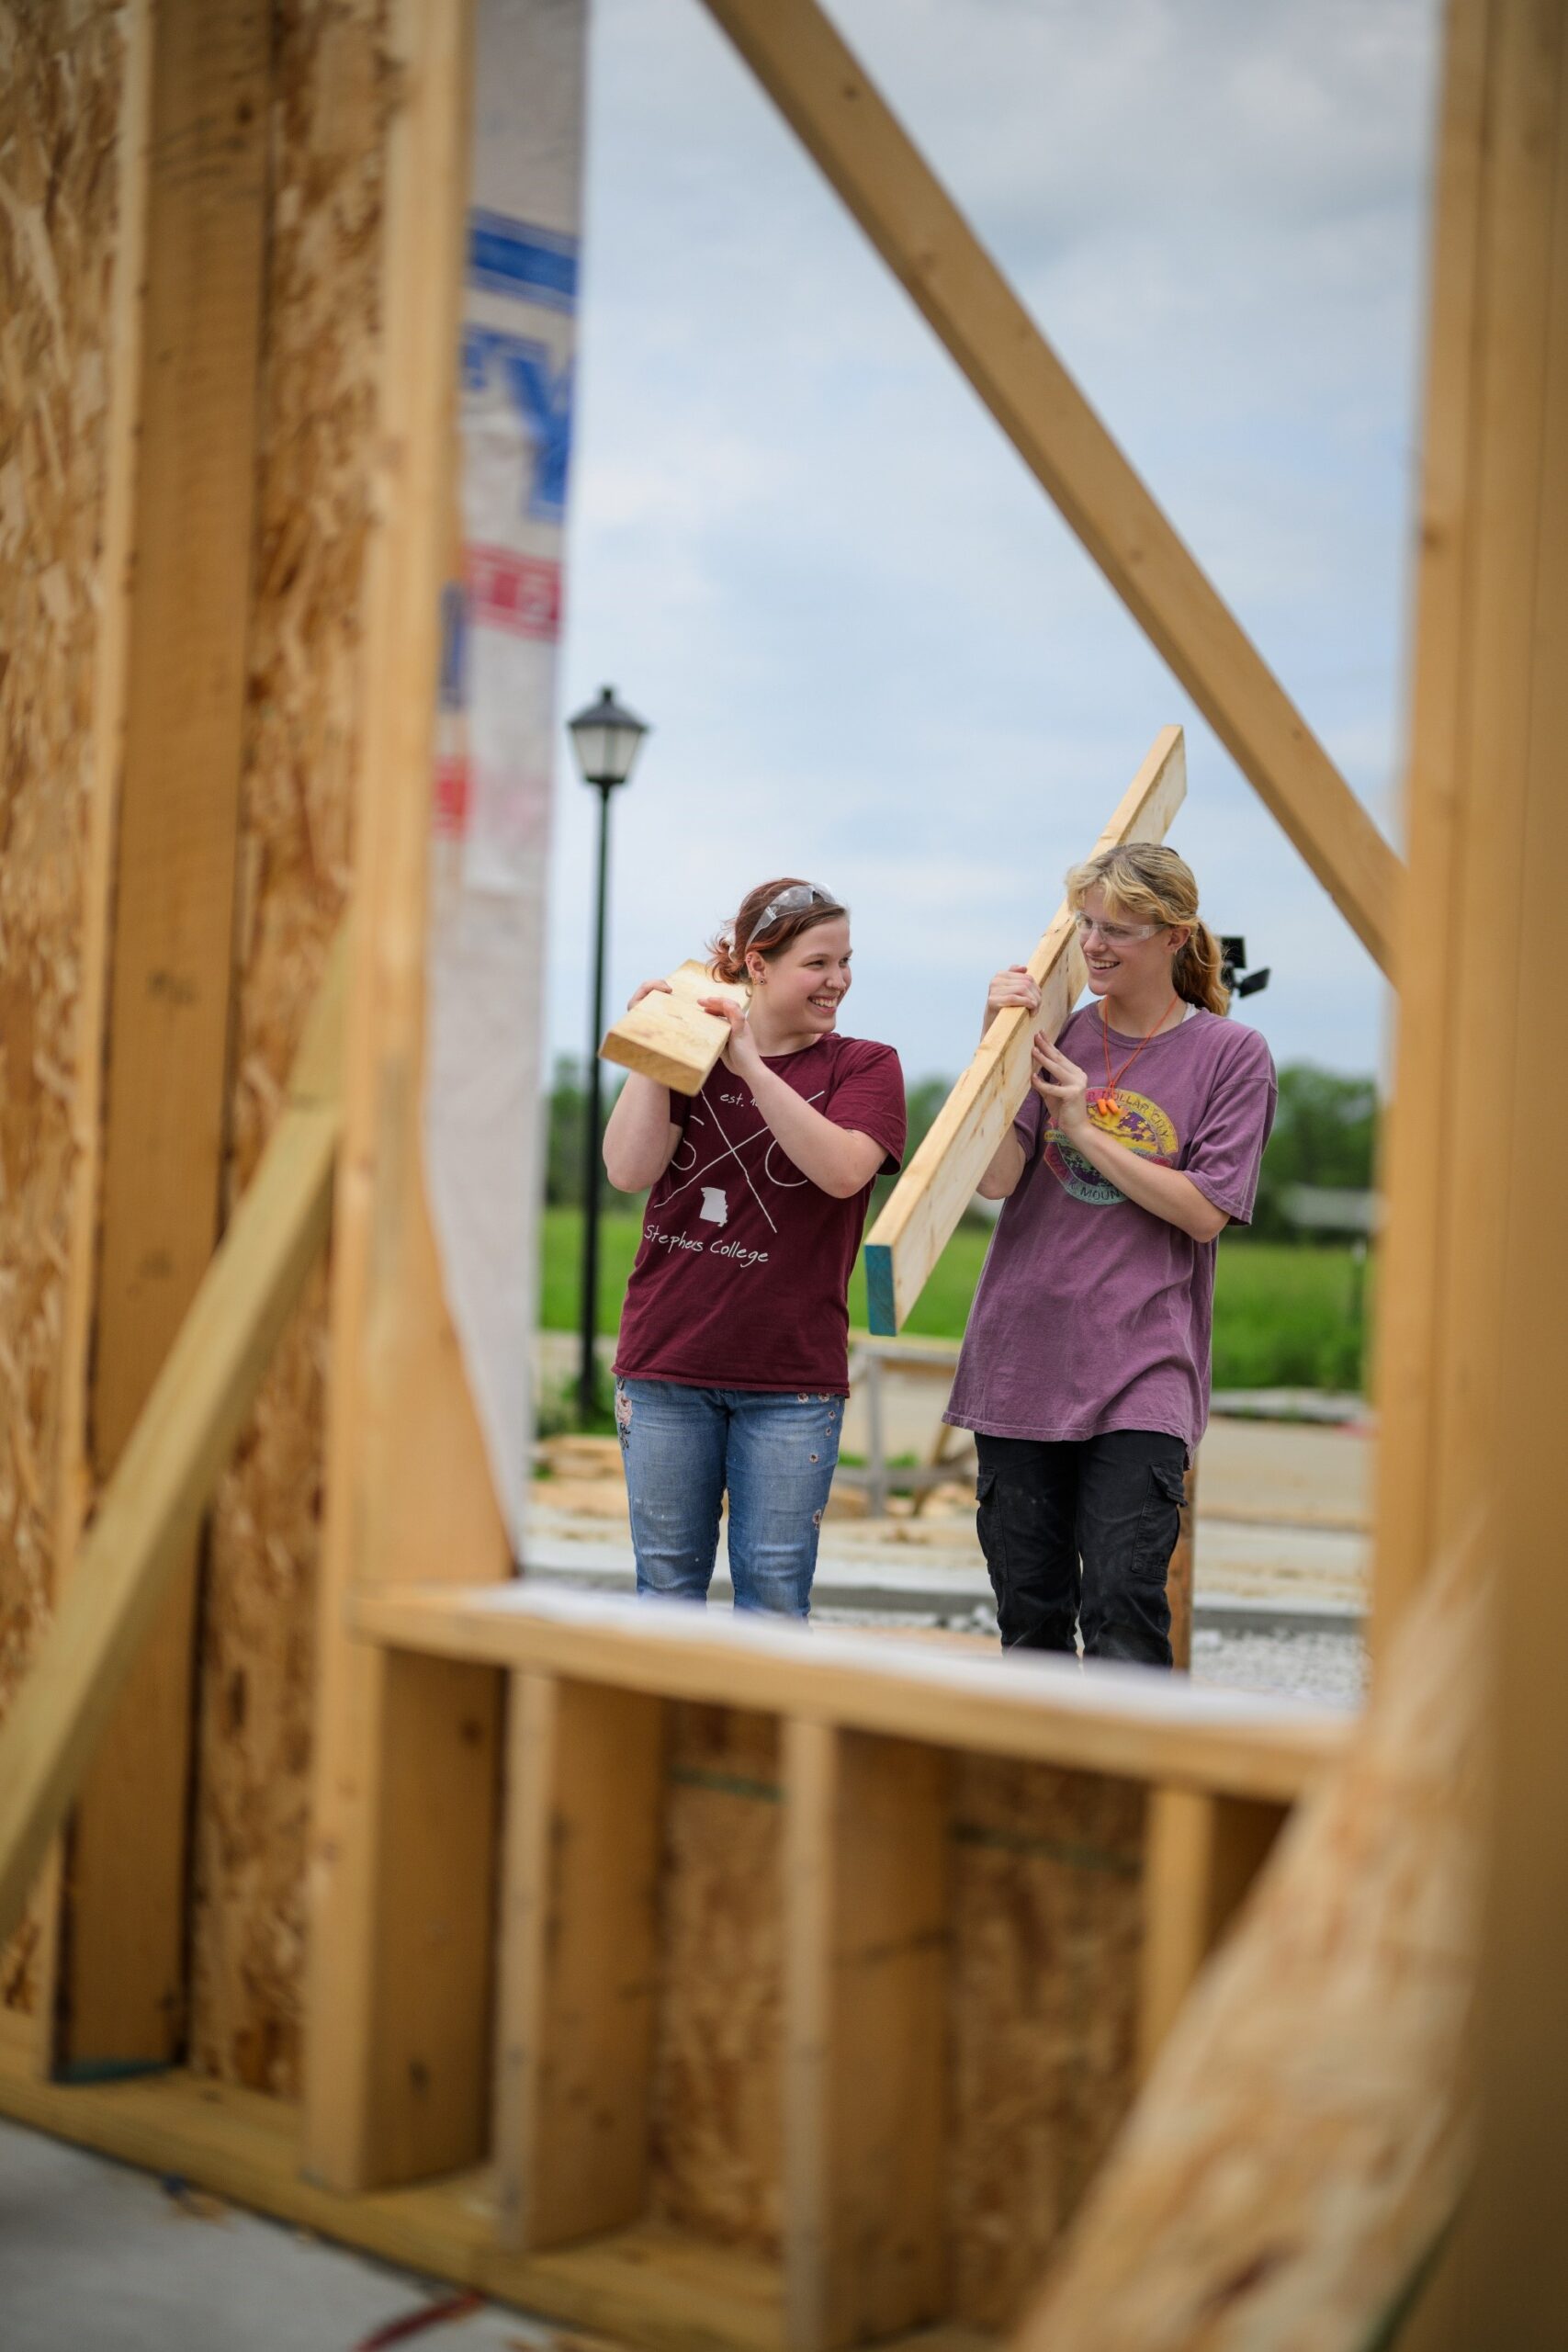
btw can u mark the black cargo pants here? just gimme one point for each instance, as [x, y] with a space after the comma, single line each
[1081, 1534]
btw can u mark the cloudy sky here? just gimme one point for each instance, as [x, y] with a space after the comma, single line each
[873, 653]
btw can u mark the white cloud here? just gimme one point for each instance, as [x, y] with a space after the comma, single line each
[872, 651]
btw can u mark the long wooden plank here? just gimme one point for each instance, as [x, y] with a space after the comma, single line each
[1111, 1719]
[865, 2042]
[171, 950]
[397, 2056]
[1513, 2262]
[826, 96]
[932, 1194]
[167, 1469]
[574, 2061]
[1417, 1172]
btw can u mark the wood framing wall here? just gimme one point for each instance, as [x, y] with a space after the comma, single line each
[982, 1965]
[718, 2072]
[1498, 824]
[192, 357]
[1048, 1915]
[59, 98]
[304, 681]
[1043, 1932]
[63, 96]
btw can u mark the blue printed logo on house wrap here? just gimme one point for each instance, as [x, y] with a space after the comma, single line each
[518, 257]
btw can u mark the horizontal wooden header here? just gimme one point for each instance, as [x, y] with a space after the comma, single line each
[1123, 1720]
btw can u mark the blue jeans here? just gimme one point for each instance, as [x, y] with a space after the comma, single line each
[775, 1456]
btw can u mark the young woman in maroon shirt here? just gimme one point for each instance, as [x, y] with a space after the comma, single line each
[733, 1363]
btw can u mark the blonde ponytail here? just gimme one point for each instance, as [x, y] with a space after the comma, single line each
[1197, 972]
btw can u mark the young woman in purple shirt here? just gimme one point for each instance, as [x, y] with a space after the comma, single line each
[1085, 1367]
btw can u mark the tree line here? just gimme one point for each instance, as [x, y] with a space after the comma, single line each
[1325, 1137]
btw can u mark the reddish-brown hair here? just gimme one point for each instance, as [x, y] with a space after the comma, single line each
[728, 950]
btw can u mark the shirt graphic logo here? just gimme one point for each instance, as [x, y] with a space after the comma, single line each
[1137, 1124]
[689, 1165]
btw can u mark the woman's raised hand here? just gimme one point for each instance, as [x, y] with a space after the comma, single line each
[646, 989]
[741, 1054]
[1015, 986]
[1060, 1084]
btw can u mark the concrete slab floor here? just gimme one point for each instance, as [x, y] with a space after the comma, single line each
[101, 2259]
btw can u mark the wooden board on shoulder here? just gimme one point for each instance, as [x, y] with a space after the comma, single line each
[930, 1196]
[671, 1039]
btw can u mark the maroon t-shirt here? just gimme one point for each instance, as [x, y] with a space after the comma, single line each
[743, 1274]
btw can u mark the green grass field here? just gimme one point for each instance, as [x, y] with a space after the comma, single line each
[1283, 1318]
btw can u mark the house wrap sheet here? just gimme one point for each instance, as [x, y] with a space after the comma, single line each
[497, 725]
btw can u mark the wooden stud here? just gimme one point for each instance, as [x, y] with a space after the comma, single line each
[169, 1466]
[169, 955]
[671, 1039]
[584, 1786]
[824, 95]
[32, 2041]
[1203, 1853]
[1181, 1574]
[1499, 745]
[1442, 1238]
[397, 2073]
[867, 1911]
[919, 1217]
[1512, 2264]
[1300, 2144]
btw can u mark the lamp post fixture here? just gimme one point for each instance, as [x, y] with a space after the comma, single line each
[606, 740]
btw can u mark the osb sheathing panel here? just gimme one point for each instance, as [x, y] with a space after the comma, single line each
[718, 2110]
[257, 1651]
[1046, 1929]
[59, 85]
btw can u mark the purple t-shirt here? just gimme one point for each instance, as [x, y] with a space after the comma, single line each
[1091, 1313]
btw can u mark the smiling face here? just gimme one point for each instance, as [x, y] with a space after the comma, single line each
[1125, 956]
[804, 985]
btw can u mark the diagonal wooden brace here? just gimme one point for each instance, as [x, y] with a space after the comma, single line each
[171, 1460]
[934, 1189]
[828, 100]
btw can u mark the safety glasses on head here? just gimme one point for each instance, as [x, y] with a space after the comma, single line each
[793, 902]
[1114, 935]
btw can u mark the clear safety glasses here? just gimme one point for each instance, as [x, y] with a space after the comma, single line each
[793, 902]
[1114, 935]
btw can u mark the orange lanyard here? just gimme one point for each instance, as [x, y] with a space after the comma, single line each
[1105, 1102]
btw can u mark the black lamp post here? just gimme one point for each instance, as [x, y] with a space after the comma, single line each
[606, 740]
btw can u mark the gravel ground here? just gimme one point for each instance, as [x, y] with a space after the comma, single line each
[1330, 1669]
